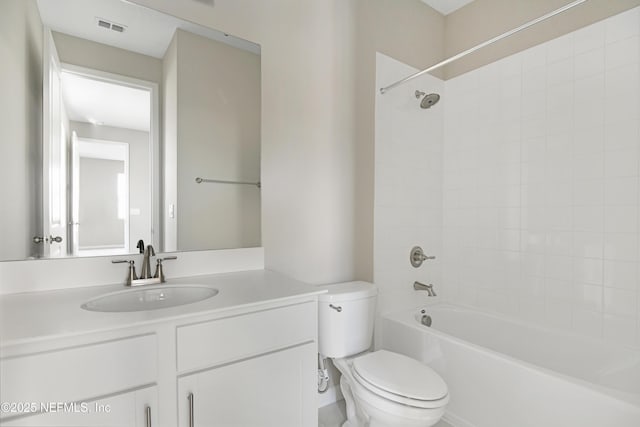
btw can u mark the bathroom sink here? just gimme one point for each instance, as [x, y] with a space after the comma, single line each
[149, 298]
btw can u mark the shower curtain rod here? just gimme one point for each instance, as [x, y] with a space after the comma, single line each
[481, 45]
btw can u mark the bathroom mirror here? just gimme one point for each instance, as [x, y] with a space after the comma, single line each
[125, 124]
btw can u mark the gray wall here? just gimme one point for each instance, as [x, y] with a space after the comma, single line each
[99, 223]
[139, 173]
[21, 39]
[218, 137]
[85, 53]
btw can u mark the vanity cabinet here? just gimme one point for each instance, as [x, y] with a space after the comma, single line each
[247, 366]
[258, 369]
[137, 408]
[103, 384]
[276, 389]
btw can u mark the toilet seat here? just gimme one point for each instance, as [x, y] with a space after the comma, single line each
[400, 379]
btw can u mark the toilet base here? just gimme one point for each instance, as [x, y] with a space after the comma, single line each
[365, 409]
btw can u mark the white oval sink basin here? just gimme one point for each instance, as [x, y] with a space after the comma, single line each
[149, 298]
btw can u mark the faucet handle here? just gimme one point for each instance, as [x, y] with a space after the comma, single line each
[417, 256]
[159, 274]
[132, 269]
[122, 261]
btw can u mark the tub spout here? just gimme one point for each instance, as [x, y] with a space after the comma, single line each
[422, 287]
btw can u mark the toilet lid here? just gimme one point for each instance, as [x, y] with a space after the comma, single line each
[400, 375]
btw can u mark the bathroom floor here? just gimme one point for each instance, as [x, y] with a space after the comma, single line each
[334, 415]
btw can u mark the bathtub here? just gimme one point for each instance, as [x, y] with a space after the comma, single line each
[505, 373]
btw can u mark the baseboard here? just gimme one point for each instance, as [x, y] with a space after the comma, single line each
[331, 396]
[456, 421]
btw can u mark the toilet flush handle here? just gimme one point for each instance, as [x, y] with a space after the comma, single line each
[336, 308]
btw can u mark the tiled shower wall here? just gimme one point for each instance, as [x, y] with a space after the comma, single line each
[541, 183]
[408, 186]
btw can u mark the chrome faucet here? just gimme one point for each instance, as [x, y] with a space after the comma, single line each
[145, 276]
[422, 287]
[145, 273]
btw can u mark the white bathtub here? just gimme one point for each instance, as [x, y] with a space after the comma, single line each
[504, 373]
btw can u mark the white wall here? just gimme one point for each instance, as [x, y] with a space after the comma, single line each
[541, 183]
[170, 147]
[408, 186]
[21, 129]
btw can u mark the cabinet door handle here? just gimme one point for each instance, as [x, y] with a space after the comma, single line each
[190, 398]
[148, 416]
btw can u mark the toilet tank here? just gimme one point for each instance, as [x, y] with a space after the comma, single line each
[346, 315]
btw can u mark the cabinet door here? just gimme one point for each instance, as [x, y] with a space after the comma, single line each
[274, 390]
[122, 410]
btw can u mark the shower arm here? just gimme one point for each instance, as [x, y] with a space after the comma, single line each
[483, 44]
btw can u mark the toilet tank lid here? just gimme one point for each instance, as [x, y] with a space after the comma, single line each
[348, 291]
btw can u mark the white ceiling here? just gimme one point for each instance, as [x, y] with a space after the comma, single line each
[147, 31]
[98, 102]
[445, 7]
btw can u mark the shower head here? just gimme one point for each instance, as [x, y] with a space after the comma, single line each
[428, 100]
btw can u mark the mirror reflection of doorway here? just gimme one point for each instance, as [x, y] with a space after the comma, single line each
[109, 149]
[100, 197]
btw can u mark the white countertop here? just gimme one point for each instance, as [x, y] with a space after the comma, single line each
[29, 317]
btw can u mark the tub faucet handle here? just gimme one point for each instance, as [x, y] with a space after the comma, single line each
[417, 256]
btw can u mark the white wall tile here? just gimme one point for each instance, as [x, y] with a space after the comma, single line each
[621, 246]
[561, 72]
[560, 49]
[588, 244]
[589, 192]
[409, 182]
[620, 302]
[537, 196]
[622, 52]
[588, 218]
[578, 142]
[621, 274]
[623, 134]
[622, 162]
[588, 63]
[588, 323]
[621, 26]
[620, 81]
[588, 270]
[588, 38]
[619, 329]
[621, 191]
[621, 219]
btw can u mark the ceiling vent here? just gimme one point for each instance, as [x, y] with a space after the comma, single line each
[109, 25]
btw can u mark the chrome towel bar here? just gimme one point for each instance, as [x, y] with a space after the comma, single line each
[221, 181]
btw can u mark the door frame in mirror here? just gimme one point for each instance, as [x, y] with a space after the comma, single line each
[154, 135]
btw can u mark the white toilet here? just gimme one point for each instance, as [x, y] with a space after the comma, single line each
[380, 388]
